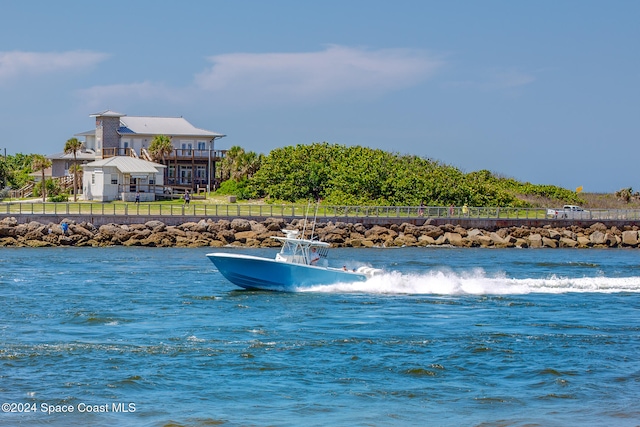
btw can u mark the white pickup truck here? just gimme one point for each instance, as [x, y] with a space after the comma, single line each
[569, 212]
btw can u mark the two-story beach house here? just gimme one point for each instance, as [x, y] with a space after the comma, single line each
[124, 168]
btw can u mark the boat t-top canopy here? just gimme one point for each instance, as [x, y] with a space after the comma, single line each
[300, 251]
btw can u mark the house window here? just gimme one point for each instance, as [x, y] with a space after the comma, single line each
[172, 171]
[185, 174]
[202, 145]
[186, 149]
[152, 181]
[114, 179]
[201, 172]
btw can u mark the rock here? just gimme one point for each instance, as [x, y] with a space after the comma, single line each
[454, 239]
[584, 242]
[8, 241]
[405, 240]
[77, 229]
[597, 237]
[535, 240]
[258, 227]
[244, 236]
[630, 238]
[240, 224]
[566, 242]
[497, 239]
[188, 226]
[7, 230]
[484, 241]
[433, 231]
[598, 226]
[555, 235]
[274, 224]
[9, 221]
[38, 244]
[227, 236]
[425, 240]
[475, 232]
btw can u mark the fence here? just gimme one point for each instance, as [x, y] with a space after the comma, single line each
[293, 210]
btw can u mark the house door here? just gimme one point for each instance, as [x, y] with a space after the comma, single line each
[185, 175]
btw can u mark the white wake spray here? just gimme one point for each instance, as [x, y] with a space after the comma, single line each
[477, 282]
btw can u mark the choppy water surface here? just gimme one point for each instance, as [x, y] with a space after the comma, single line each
[447, 337]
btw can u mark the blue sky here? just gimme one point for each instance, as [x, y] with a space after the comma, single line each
[540, 91]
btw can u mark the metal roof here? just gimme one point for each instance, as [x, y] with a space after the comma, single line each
[107, 113]
[170, 126]
[80, 155]
[127, 164]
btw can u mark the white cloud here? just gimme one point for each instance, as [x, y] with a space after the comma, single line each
[266, 78]
[99, 96]
[269, 77]
[16, 64]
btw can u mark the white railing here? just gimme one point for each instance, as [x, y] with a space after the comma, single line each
[293, 210]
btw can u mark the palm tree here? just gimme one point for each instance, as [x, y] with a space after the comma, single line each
[40, 163]
[72, 146]
[239, 164]
[232, 162]
[160, 147]
[76, 170]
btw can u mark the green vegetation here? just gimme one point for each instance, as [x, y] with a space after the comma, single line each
[342, 175]
[15, 170]
[160, 147]
[40, 163]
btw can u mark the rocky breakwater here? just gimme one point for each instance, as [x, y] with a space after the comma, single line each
[242, 232]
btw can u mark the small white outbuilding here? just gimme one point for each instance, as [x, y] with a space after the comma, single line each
[122, 178]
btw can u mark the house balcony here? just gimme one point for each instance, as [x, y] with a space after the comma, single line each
[177, 155]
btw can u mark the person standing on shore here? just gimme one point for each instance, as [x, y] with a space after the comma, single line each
[137, 197]
[187, 197]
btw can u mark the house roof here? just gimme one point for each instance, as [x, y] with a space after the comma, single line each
[107, 113]
[91, 132]
[80, 155]
[170, 126]
[127, 164]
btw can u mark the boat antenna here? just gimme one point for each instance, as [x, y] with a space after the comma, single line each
[315, 216]
[306, 215]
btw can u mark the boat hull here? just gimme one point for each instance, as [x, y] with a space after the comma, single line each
[252, 272]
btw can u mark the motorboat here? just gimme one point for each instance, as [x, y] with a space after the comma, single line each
[301, 263]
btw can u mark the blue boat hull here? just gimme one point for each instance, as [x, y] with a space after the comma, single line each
[251, 272]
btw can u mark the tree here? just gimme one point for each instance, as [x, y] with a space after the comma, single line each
[4, 171]
[72, 146]
[76, 170]
[40, 163]
[239, 164]
[160, 147]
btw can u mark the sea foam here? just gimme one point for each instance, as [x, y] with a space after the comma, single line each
[477, 282]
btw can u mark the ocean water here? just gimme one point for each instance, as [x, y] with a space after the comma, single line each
[446, 337]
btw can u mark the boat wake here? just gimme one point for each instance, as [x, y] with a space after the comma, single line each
[477, 282]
